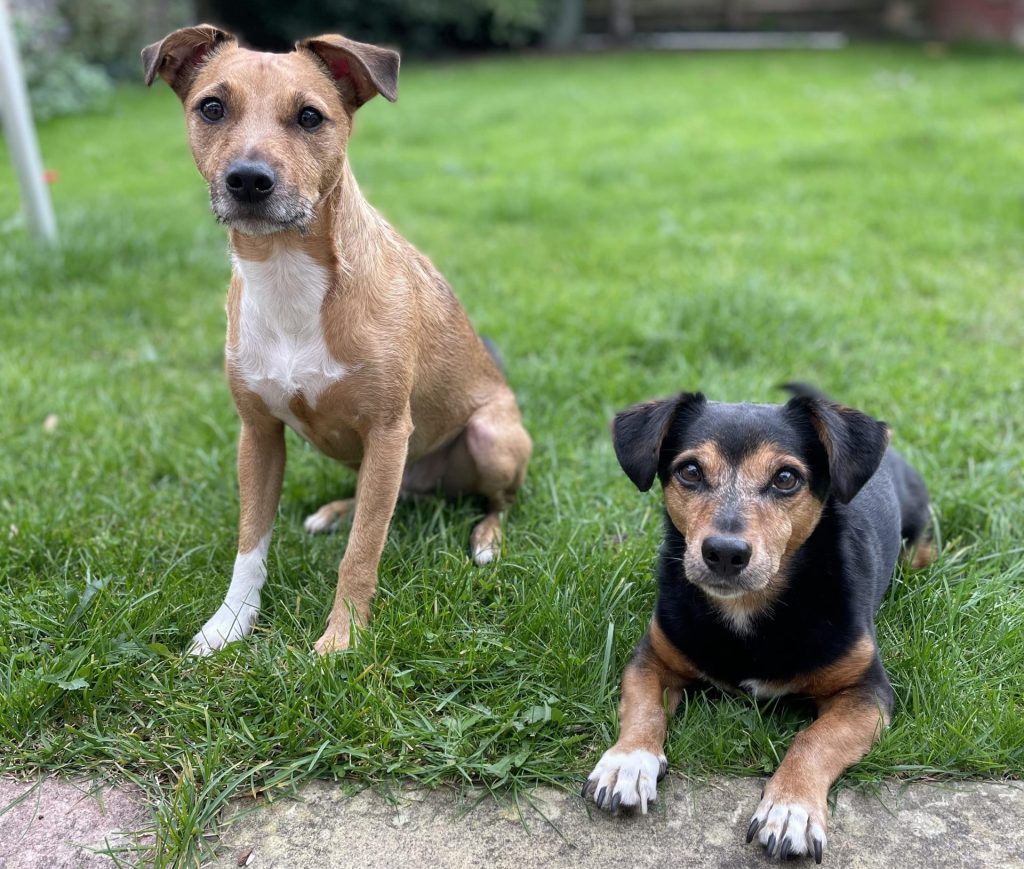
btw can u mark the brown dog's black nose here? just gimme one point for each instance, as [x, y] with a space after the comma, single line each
[250, 181]
[725, 556]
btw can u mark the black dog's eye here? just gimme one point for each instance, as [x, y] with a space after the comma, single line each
[310, 118]
[212, 109]
[786, 480]
[690, 473]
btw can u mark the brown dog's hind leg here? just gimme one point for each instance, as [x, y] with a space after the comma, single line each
[328, 517]
[791, 818]
[628, 773]
[499, 449]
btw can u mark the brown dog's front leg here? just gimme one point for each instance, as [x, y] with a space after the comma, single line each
[380, 478]
[628, 773]
[261, 455]
[791, 818]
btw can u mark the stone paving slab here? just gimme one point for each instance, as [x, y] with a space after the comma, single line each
[62, 824]
[931, 826]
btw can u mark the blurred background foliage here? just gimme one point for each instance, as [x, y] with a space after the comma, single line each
[418, 26]
[74, 51]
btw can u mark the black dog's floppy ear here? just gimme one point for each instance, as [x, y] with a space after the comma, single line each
[638, 433]
[176, 57]
[854, 442]
[361, 70]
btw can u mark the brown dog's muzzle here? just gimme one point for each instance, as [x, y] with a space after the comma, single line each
[250, 181]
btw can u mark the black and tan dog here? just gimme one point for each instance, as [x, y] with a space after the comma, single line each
[783, 526]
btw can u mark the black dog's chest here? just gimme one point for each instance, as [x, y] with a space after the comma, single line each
[775, 650]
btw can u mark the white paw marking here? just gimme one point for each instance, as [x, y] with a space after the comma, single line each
[323, 520]
[224, 626]
[485, 554]
[792, 826]
[625, 779]
[236, 616]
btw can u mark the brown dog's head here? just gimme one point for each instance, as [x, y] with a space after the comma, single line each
[745, 484]
[269, 131]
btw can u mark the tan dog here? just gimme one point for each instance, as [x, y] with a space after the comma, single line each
[337, 326]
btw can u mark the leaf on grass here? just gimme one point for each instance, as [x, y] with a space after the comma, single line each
[93, 585]
[161, 650]
[61, 681]
[542, 714]
[501, 767]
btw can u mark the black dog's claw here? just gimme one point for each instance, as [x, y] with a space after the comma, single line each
[616, 799]
[784, 850]
[583, 790]
[755, 825]
[817, 851]
[600, 797]
[770, 847]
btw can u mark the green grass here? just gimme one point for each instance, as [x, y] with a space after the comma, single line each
[624, 227]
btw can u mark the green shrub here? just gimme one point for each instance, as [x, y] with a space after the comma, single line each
[72, 50]
[59, 80]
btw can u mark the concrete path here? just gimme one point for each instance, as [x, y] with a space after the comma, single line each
[924, 826]
[60, 823]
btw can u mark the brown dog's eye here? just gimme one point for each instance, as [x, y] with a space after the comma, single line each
[212, 109]
[786, 480]
[690, 473]
[310, 119]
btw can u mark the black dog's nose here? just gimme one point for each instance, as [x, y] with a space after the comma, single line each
[726, 556]
[250, 181]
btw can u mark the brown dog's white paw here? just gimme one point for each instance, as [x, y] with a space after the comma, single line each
[229, 623]
[328, 517]
[789, 828]
[485, 541]
[625, 779]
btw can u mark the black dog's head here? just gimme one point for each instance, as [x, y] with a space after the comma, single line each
[745, 484]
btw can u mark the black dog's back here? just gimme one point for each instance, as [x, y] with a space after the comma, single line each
[915, 518]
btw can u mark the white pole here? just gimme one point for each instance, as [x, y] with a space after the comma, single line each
[21, 135]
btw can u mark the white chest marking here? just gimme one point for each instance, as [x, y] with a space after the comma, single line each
[757, 688]
[281, 351]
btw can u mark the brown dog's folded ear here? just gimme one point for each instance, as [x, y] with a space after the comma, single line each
[176, 57]
[854, 442]
[639, 431]
[361, 70]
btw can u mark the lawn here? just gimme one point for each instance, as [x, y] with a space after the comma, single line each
[623, 227]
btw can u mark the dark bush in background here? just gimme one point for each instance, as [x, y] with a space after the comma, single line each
[416, 26]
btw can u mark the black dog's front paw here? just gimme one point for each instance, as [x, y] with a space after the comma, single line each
[625, 779]
[788, 827]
